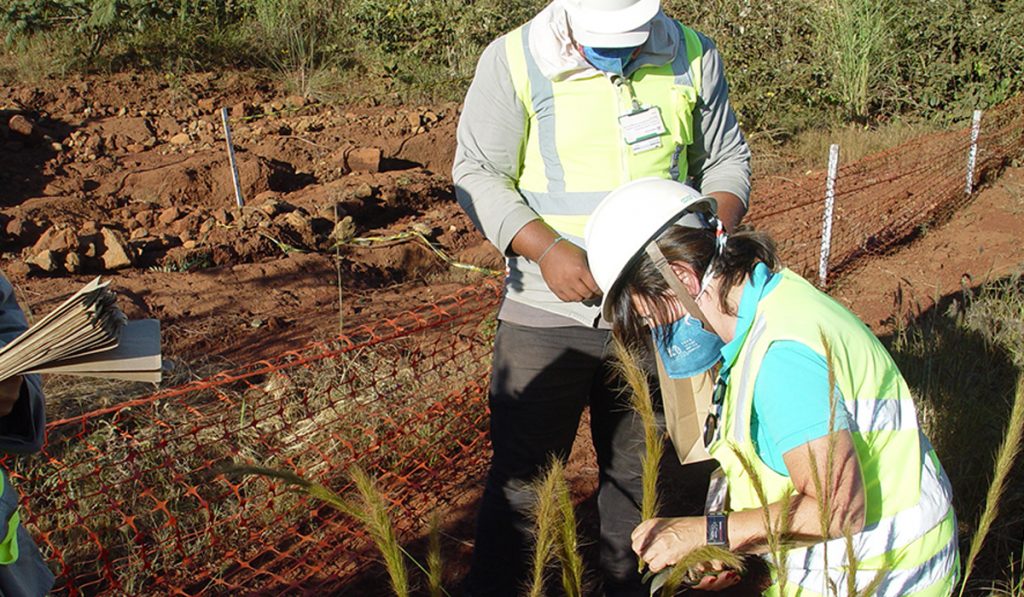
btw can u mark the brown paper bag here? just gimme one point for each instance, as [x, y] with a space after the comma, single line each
[687, 402]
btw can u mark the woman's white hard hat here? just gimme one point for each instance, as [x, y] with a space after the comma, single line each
[611, 23]
[632, 216]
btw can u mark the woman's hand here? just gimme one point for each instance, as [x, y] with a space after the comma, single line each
[662, 542]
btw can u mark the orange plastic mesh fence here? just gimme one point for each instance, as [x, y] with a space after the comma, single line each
[884, 199]
[130, 500]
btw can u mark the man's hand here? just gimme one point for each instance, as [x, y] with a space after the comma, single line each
[567, 273]
[562, 263]
[10, 391]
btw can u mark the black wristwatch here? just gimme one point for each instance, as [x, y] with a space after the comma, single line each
[718, 531]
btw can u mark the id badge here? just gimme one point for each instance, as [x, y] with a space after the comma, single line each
[642, 128]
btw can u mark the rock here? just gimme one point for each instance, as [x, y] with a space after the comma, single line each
[73, 263]
[21, 228]
[422, 228]
[186, 227]
[21, 125]
[57, 147]
[89, 227]
[146, 218]
[389, 195]
[116, 254]
[364, 159]
[296, 101]
[180, 139]
[139, 233]
[48, 261]
[17, 269]
[240, 110]
[299, 223]
[136, 130]
[90, 245]
[207, 104]
[344, 231]
[414, 119]
[274, 207]
[222, 216]
[430, 117]
[189, 244]
[363, 191]
[169, 215]
[56, 239]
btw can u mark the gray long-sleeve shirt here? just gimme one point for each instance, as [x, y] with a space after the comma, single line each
[492, 132]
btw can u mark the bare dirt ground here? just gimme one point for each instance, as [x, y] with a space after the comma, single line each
[980, 243]
[127, 176]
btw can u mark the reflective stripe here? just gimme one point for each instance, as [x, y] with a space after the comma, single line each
[890, 533]
[692, 63]
[563, 204]
[760, 327]
[887, 414]
[568, 226]
[541, 92]
[897, 583]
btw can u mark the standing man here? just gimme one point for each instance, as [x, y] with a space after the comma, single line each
[23, 573]
[586, 96]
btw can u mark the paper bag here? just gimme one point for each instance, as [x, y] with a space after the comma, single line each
[686, 402]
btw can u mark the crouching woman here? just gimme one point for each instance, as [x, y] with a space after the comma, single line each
[840, 460]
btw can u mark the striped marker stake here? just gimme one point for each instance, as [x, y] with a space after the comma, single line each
[826, 223]
[972, 155]
[231, 158]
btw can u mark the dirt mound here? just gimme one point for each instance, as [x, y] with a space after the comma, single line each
[130, 174]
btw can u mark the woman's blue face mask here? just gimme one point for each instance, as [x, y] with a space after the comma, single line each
[690, 349]
[609, 60]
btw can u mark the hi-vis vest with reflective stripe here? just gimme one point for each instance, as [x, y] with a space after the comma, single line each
[910, 528]
[575, 153]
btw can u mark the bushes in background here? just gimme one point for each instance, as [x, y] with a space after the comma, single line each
[792, 65]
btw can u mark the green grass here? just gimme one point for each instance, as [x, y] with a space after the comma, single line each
[963, 359]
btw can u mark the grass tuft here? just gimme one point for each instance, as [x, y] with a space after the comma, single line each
[546, 520]
[1005, 458]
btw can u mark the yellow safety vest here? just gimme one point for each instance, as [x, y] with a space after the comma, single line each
[910, 527]
[574, 152]
[9, 543]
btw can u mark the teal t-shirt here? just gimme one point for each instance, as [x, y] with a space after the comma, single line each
[791, 405]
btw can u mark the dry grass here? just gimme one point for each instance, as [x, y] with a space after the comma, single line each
[809, 149]
[627, 365]
[555, 534]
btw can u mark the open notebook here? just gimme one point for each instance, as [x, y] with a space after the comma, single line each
[87, 335]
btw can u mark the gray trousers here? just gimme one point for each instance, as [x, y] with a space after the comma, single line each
[541, 382]
[28, 576]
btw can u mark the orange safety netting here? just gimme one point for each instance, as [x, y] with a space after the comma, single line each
[131, 499]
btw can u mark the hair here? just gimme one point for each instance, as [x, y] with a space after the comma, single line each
[695, 247]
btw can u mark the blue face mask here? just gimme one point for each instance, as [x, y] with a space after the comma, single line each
[609, 60]
[691, 349]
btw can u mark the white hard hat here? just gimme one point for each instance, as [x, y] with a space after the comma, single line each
[611, 23]
[633, 215]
